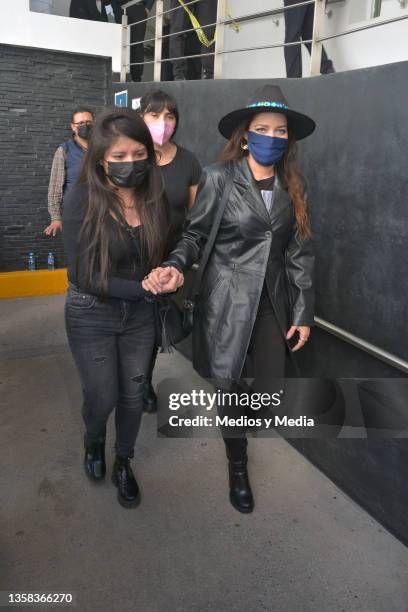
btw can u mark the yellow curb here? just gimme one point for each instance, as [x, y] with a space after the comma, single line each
[31, 284]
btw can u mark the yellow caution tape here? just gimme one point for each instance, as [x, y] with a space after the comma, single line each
[197, 26]
[204, 40]
[234, 24]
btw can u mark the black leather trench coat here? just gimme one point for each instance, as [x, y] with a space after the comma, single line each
[251, 247]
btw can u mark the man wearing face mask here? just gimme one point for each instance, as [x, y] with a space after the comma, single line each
[66, 166]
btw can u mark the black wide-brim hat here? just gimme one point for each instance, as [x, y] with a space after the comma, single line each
[267, 99]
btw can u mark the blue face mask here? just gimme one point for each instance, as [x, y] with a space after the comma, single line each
[266, 150]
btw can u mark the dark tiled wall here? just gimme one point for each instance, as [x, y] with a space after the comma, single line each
[38, 90]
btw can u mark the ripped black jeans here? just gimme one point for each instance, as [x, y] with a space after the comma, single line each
[112, 344]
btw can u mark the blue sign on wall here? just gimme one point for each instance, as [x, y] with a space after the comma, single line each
[121, 98]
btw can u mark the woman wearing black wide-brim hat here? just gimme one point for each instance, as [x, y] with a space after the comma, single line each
[257, 294]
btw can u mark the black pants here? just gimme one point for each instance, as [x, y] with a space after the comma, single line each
[166, 67]
[299, 26]
[265, 362]
[137, 33]
[206, 12]
[111, 343]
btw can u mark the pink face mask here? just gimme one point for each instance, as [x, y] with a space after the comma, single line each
[161, 131]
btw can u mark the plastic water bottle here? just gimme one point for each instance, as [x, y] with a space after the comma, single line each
[31, 261]
[51, 261]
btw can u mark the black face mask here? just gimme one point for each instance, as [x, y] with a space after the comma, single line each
[84, 131]
[128, 174]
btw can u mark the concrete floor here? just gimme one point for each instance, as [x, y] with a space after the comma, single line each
[307, 546]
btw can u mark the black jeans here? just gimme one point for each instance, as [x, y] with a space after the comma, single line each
[206, 12]
[265, 363]
[299, 25]
[112, 344]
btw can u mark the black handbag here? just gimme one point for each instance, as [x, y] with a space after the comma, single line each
[176, 312]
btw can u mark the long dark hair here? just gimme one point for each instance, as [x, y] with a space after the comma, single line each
[156, 100]
[287, 170]
[103, 201]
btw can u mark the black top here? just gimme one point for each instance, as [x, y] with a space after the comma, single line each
[179, 175]
[129, 268]
[266, 184]
[266, 188]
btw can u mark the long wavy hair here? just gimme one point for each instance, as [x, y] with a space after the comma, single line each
[287, 170]
[103, 200]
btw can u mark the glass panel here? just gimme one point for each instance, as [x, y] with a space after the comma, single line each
[41, 6]
[377, 8]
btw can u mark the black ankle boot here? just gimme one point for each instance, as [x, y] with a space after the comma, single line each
[149, 398]
[240, 489]
[124, 480]
[94, 461]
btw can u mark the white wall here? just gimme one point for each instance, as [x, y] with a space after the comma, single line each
[20, 26]
[382, 45]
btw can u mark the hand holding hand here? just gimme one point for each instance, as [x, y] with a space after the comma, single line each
[304, 333]
[163, 280]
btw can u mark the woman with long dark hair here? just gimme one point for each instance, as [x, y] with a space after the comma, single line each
[257, 291]
[115, 230]
[181, 172]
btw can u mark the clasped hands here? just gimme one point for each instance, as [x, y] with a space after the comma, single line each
[163, 280]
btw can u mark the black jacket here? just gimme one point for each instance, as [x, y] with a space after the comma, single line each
[251, 247]
[118, 11]
[87, 9]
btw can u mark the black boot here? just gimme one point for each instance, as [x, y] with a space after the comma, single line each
[149, 398]
[94, 460]
[240, 489]
[124, 480]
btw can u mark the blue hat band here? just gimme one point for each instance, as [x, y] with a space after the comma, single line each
[268, 105]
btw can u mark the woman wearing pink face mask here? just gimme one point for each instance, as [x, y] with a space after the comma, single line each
[181, 172]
